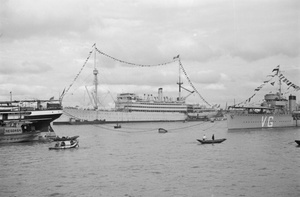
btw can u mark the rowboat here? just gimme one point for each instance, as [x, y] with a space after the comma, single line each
[298, 142]
[216, 141]
[65, 145]
[118, 126]
[161, 130]
[63, 138]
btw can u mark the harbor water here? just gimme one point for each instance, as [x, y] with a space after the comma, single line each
[136, 160]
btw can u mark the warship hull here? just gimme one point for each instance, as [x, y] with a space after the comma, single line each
[252, 121]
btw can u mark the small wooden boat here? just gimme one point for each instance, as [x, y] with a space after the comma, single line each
[63, 138]
[118, 126]
[216, 141]
[65, 145]
[298, 142]
[161, 130]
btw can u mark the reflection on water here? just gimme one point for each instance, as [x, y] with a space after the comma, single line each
[136, 160]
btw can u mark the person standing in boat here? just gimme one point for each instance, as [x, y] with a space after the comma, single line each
[213, 137]
[204, 137]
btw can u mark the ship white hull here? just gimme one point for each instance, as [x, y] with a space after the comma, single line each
[72, 115]
[246, 121]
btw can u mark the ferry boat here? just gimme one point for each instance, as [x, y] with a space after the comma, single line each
[17, 131]
[276, 111]
[41, 113]
[130, 107]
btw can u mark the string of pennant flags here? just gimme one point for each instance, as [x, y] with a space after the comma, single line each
[281, 77]
[289, 83]
[285, 80]
[133, 64]
[190, 82]
[66, 90]
[115, 59]
[161, 64]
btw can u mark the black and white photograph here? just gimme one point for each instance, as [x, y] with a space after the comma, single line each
[143, 98]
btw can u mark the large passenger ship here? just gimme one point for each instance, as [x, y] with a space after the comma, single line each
[130, 107]
[274, 111]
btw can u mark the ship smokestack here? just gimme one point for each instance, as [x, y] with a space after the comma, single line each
[160, 94]
[292, 103]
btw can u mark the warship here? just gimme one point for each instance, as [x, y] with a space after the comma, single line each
[275, 111]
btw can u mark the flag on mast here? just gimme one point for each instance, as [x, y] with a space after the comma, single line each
[176, 57]
[276, 69]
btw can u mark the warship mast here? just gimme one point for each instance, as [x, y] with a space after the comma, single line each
[278, 74]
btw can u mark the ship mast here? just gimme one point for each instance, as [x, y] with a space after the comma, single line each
[278, 74]
[179, 83]
[95, 72]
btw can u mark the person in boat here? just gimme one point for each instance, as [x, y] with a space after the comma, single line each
[213, 137]
[204, 137]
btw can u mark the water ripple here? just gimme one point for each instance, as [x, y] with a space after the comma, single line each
[108, 163]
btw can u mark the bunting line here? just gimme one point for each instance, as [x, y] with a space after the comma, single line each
[191, 84]
[161, 64]
[134, 64]
[288, 82]
[281, 77]
[66, 90]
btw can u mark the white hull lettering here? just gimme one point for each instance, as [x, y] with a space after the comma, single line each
[267, 121]
[270, 121]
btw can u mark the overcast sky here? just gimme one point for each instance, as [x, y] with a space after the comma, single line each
[227, 47]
